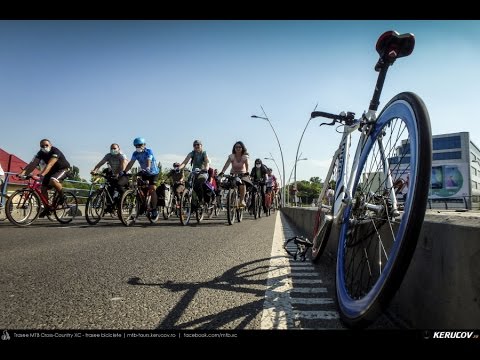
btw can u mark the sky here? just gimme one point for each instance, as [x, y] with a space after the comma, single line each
[87, 84]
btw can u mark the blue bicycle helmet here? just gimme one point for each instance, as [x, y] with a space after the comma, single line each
[139, 141]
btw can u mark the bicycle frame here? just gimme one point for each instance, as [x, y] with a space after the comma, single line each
[143, 193]
[346, 174]
[36, 185]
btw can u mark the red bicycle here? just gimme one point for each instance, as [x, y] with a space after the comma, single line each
[24, 206]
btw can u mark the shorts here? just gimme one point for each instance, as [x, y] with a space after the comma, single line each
[57, 176]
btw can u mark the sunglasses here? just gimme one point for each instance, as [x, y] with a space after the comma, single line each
[44, 145]
[196, 144]
[137, 146]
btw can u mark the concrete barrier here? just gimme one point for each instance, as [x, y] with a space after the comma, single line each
[441, 289]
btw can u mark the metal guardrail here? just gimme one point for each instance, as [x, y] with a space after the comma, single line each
[471, 202]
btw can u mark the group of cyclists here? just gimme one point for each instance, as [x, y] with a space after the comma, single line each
[206, 181]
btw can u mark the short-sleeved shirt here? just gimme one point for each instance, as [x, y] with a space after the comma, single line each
[198, 159]
[114, 161]
[61, 163]
[142, 158]
[238, 167]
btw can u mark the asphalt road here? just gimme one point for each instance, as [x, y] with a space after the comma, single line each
[161, 276]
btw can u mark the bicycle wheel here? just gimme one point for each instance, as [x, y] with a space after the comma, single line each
[95, 207]
[231, 205]
[23, 207]
[128, 208]
[376, 240]
[259, 207]
[167, 209]
[199, 213]
[255, 204]
[66, 209]
[186, 207]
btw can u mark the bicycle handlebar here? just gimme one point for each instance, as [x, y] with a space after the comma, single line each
[347, 119]
[27, 177]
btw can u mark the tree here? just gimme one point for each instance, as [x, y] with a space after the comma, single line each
[309, 191]
[316, 180]
[75, 173]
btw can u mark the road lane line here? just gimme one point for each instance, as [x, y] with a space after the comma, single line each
[277, 309]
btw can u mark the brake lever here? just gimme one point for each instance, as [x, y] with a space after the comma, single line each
[330, 124]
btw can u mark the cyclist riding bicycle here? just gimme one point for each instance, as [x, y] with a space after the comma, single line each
[271, 183]
[259, 174]
[116, 161]
[148, 164]
[178, 181]
[199, 160]
[54, 168]
[239, 161]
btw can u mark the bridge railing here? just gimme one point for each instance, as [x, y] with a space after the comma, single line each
[450, 203]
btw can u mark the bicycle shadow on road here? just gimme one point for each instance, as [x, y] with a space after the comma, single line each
[243, 278]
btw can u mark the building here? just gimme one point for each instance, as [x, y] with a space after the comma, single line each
[455, 174]
[10, 162]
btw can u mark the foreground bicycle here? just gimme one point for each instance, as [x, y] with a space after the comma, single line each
[377, 238]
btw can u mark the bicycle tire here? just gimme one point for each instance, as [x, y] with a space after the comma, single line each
[95, 207]
[259, 207]
[253, 206]
[186, 207]
[239, 214]
[24, 205]
[365, 285]
[231, 205]
[218, 204]
[66, 211]
[199, 213]
[128, 208]
[167, 208]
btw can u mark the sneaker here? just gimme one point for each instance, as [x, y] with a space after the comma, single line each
[242, 203]
[61, 200]
[154, 213]
[44, 213]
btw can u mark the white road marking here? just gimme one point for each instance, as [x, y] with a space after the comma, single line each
[284, 276]
[324, 315]
[277, 310]
[308, 290]
[311, 301]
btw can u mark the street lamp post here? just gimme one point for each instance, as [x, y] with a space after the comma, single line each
[296, 155]
[280, 147]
